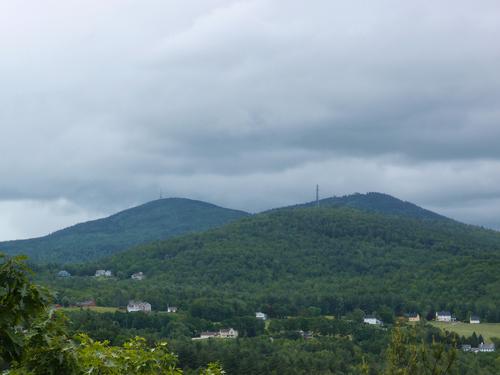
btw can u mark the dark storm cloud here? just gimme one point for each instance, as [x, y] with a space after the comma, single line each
[246, 104]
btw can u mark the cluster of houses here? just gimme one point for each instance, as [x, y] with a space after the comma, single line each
[441, 316]
[104, 273]
[445, 316]
[226, 333]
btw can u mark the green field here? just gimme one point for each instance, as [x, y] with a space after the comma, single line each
[99, 309]
[487, 330]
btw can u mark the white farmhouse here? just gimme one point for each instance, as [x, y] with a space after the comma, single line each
[137, 276]
[228, 333]
[134, 306]
[413, 317]
[370, 319]
[105, 273]
[171, 309]
[474, 319]
[261, 315]
[443, 316]
[208, 335]
[486, 348]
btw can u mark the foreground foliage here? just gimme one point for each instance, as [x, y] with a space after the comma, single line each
[34, 340]
[407, 356]
[20, 303]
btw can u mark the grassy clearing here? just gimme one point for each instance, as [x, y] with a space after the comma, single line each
[487, 330]
[99, 309]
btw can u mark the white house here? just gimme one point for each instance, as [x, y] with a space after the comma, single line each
[261, 315]
[474, 319]
[443, 316]
[134, 306]
[369, 319]
[413, 317]
[486, 348]
[208, 335]
[228, 333]
[137, 276]
[105, 273]
[63, 273]
[171, 309]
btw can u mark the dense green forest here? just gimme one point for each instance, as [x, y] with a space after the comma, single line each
[285, 262]
[337, 346]
[156, 220]
[312, 270]
[165, 218]
[36, 340]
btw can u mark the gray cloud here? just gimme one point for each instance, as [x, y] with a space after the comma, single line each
[247, 104]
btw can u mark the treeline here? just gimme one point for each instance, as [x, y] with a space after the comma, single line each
[333, 347]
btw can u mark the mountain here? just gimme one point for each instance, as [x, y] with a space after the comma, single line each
[156, 220]
[335, 259]
[379, 203]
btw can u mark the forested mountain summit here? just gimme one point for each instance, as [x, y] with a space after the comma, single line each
[156, 220]
[379, 203]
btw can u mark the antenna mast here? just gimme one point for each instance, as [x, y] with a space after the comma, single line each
[317, 195]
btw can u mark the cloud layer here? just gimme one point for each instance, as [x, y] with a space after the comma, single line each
[246, 104]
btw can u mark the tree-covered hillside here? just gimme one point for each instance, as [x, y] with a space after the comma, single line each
[379, 203]
[333, 260]
[156, 220]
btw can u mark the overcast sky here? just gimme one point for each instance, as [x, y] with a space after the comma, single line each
[246, 104]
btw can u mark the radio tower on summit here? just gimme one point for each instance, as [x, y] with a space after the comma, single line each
[317, 195]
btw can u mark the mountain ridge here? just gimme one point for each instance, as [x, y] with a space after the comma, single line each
[376, 202]
[163, 218]
[151, 221]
